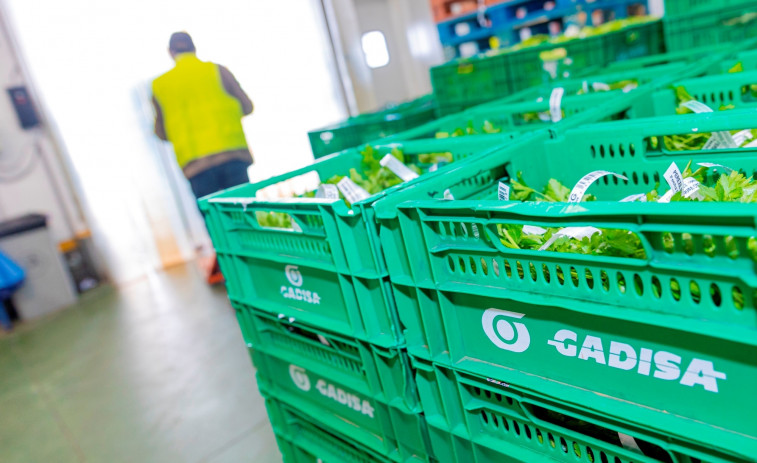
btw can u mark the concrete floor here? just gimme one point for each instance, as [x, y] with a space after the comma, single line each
[154, 372]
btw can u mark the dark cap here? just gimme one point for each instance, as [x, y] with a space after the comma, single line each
[181, 42]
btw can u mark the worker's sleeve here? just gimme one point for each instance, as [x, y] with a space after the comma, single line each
[233, 88]
[160, 129]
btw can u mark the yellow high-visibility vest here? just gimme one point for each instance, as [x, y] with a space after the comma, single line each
[200, 117]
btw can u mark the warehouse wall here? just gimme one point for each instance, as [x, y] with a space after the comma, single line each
[412, 41]
[34, 176]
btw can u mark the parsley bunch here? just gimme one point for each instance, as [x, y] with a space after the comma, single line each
[470, 129]
[371, 176]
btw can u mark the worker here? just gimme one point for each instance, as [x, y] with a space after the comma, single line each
[199, 107]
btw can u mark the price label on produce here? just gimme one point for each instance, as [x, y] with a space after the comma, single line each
[690, 187]
[503, 192]
[351, 190]
[555, 102]
[718, 140]
[327, 191]
[578, 191]
[577, 233]
[674, 177]
[399, 169]
[641, 197]
[710, 165]
[533, 230]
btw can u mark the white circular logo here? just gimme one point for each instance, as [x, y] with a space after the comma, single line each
[293, 274]
[503, 332]
[299, 377]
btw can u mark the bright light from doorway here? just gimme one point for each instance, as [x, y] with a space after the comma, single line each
[375, 49]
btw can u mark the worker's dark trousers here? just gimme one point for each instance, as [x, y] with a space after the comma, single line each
[220, 177]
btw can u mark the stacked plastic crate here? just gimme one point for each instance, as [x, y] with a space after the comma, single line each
[371, 126]
[402, 327]
[525, 354]
[697, 23]
[468, 82]
[313, 299]
[310, 284]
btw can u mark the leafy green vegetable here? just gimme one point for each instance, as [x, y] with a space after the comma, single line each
[728, 187]
[690, 141]
[487, 128]
[372, 177]
[554, 191]
[608, 242]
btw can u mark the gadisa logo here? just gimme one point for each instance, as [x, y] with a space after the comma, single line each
[299, 377]
[505, 333]
[293, 275]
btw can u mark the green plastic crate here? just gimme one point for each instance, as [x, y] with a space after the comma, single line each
[370, 372]
[324, 398]
[474, 419]
[722, 58]
[302, 441]
[715, 91]
[361, 129]
[330, 271]
[449, 281]
[642, 76]
[342, 384]
[481, 79]
[723, 27]
[634, 41]
[530, 66]
[468, 82]
[509, 116]
[675, 8]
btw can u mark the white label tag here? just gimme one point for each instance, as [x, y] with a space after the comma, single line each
[600, 87]
[503, 192]
[533, 230]
[401, 170]
[696, 106]
[666, 197]
[748, 195]
[434, 168]
[713, 143]
[351, 190]
[323, 340]
[641, 197]
[448, 194]
[740, 137]
[630, 87]
[578, 191]
[327, 191]
[710, 165]
[555, 100]
[690, 187]
[629, 443]
[674, 177]
[718, 140]
[751, 144]
[577, 233]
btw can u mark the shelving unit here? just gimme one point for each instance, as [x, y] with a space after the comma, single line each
[507, 23]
